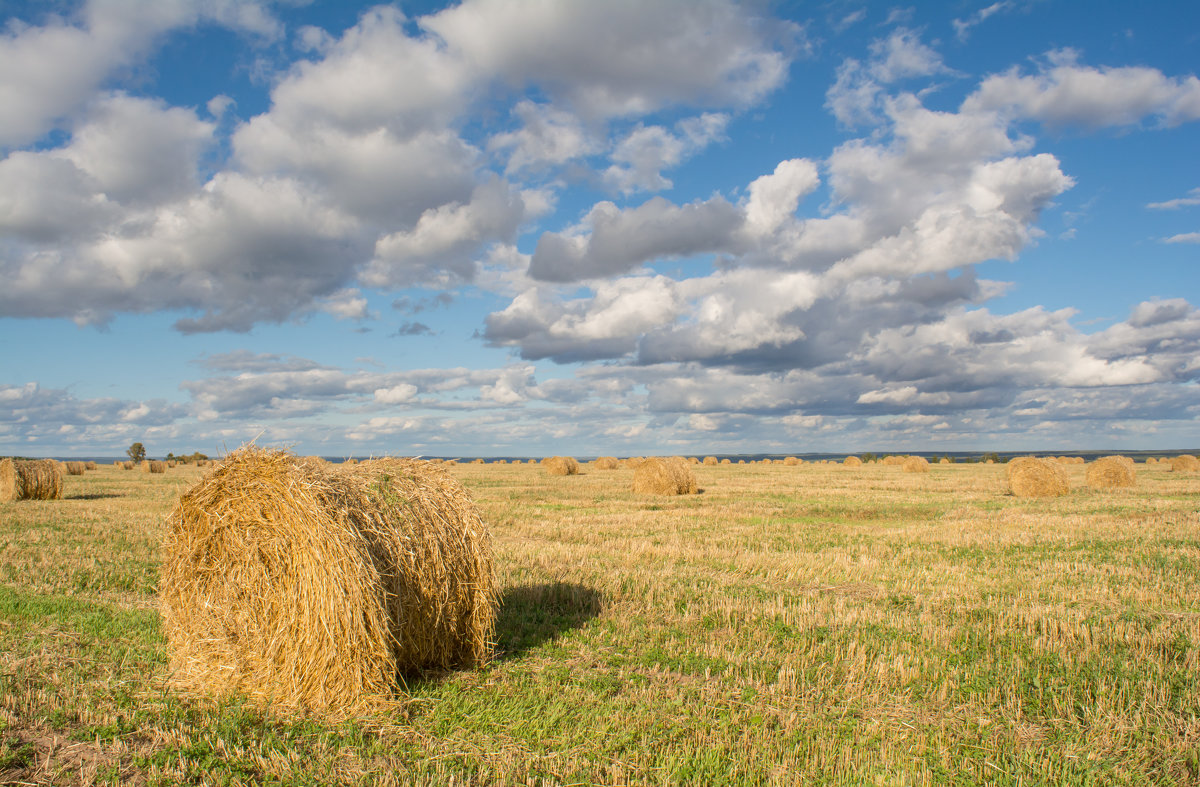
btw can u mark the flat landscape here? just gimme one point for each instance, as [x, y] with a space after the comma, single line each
[812, 624]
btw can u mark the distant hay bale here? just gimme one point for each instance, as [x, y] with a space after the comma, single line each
[607, 463]
[89, 465]
[1029, 476]
[1111, 472]
[1185, 463]
[315, 588]
[152, 466]
[41, 479]
[711, 460]
[170, 464]
[477, 461]
[350, 461]
[945, 460]
[74, 468]
[852, 461]
[915, 464]
[989, 461]
[893, 460]
[664, 476]
[741, 461]
[726, 461]
[118, 463]
[560, 465]
[692, 460]
[791, 461]
[127, 465]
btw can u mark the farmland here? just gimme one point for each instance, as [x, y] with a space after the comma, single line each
[812, 624]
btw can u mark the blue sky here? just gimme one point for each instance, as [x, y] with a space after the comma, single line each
[509, 227]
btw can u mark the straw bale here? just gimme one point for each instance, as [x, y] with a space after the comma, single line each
[74, 468]
[892, 459]
[315, 588]
[693, 460]
[477, 461]
[664, 476]
[607, 463]
[726, 461]
[989, 461]
[1185, 463]
[633, 462]
[852, 461]
[915, 464]
[152, 466]
[89, 465]
[945, 461]
[560, 465]
[171, 464]
[127, 465]
[40, 479]
[711, 460]
[1111, 472]
[1029, 476]
[791, 461]
[118, 463]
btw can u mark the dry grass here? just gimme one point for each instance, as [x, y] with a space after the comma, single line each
[664, 476]
[560, 465]
[1029, 476]
[30, 480]
[312, 588]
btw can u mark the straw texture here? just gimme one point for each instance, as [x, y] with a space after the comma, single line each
[664, 476]
[1111, 472]
[24, 480]
[1029, 476]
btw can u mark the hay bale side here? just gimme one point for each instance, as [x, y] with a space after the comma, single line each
[791, 461]
[153, 466]
[560, 465]
[1111, 472]
[893, 460]
[41, 479]
[309, 588]
[852, 461]
[1185, 463]
[1029, 476]
[127, 465]
[915, 464]
[74, 468]
[664, 476]
[606, 463]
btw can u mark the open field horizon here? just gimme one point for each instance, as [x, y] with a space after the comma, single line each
[815, 624]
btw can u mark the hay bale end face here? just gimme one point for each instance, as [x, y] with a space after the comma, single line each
[664, 476]
[1185, 463]
[711, 460]
[313, 588]
[791, 461]
[1029, 476]
[560, 465]
[24, 480]
[852, 461]
[1111, 472]
[915, 464]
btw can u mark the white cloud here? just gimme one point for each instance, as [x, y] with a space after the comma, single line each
[1184, 237]
[548, 136]
[1192, 199]
[962, 27]
[640, 158]
[1064, 93]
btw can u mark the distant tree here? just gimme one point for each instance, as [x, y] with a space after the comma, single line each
[868, 457]
[170, 457]
[137, 452]
[995, 457]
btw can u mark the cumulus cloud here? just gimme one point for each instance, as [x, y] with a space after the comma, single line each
[640, 158]
[1064, 93]
[548, 136]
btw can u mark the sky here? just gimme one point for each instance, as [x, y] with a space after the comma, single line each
[532, 227]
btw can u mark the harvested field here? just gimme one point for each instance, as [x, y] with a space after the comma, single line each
[791, 625]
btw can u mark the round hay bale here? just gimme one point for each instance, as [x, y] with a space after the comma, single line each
[726, 461]
[89, 465]
[791, 461]
[118, 463]
[711, 460]
[664, 476]
[153, 466]
[692, 460]
[852, 461]
[127, 465]
[945, 460]
[170, 464]
[74, 468]
[1185, 463]
[560, 465]
[893, 460]
[915, 464]
[41, 479]
[477, 461]
[606, 463]
[1111, 472]
[311, 588]
[1029, 476]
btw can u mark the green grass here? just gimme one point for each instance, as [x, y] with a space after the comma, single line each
[813, 624]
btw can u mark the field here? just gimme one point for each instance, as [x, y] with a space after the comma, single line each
[788, 625]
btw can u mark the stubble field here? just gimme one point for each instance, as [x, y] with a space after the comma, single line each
[789, 625]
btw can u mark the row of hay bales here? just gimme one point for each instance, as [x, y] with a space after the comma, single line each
[1030, 476]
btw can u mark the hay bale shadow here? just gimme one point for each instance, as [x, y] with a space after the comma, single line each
[92, 496]
[532, 614]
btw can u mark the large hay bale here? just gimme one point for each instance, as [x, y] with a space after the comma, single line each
[153, 466]
[74, 468]
[314, 588]
[560, 465]
[711, 460]
[41, 479]
[915, 464]
[664, 476]
[852, 461]
[1111, 472]
[1029, 476]
[1185, 463]
[607, 463]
